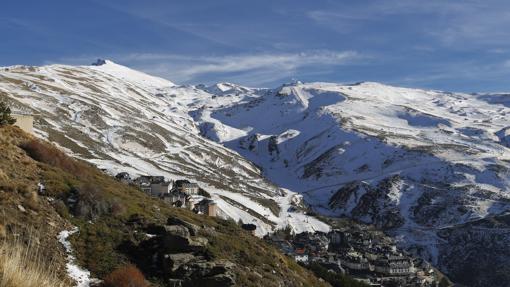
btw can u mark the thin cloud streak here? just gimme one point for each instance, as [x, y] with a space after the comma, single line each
[187, 69]
[253, 69]
[453, 24]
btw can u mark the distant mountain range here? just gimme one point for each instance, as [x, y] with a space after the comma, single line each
[430, 168]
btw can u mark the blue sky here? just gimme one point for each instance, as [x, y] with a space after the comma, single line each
[448, 45]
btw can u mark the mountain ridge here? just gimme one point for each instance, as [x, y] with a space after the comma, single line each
[121, 125]
[410, 161]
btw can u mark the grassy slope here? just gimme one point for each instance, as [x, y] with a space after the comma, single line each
[26, 220]
[22, 266]
[98, 243]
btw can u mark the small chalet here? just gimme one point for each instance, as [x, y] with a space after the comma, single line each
[206, 206]
[161, 188]
[25, 121]
[123, 177]
[186, 187]
[154, 185]
[176, 198]
[249, 227]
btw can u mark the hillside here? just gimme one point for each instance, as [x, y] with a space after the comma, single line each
[118, 224]
[123, 120]
[411, 162]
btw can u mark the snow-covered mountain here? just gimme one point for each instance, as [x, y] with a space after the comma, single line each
[125, 120]
[426, 166]
[410, 161]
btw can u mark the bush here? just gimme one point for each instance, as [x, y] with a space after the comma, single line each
[91, 202]
[127, 276]
[51, 155]
[61, 208]
[32, 200]
[117, 208]
[5, 115]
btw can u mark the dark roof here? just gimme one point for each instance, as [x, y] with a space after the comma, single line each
[249, 226]
[151, 179]
[123, 175]
[180, 182]
[207, 201]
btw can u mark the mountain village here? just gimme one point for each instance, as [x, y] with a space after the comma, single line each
[178, 193]
[367, 256]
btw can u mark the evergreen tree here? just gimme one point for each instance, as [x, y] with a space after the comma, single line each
[5, 115]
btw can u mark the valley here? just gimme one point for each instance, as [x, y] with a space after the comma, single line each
[427, 167]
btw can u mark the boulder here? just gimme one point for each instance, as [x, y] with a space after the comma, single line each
[177, 230]
[222, 280]
[202, 269]
[172, 262]
[193, 228]
[177, 239]
[198, 243]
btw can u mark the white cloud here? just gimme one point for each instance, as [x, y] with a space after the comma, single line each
[248, 69]
[187, 68]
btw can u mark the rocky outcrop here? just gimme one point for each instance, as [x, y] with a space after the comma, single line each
[272, 147]
[177, 252]
[476, 253]
[371, 204]
[504, 136]
[250, 142]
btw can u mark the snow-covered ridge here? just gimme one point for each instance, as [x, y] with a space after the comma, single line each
[124, 120]
[413, 162]
[410, 161]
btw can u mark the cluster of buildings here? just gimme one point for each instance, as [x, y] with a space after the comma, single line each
[178, 193]
[373, 259]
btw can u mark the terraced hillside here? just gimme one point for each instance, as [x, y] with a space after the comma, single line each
[123, 120]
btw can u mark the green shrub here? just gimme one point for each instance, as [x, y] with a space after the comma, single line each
[5, 115]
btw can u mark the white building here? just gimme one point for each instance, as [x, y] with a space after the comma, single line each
[24, 121]
[161, 188]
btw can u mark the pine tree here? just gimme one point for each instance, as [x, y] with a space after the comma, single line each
[5, 115]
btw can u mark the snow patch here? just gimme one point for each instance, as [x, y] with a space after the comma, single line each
[79, 275]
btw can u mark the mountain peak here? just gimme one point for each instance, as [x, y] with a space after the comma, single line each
[99, 62]
[128, 74]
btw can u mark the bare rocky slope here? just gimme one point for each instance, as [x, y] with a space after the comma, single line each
[415, 163]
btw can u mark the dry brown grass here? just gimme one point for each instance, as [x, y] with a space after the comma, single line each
[51, 155]
[3, 231]
[127, 276]
[21, 266]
